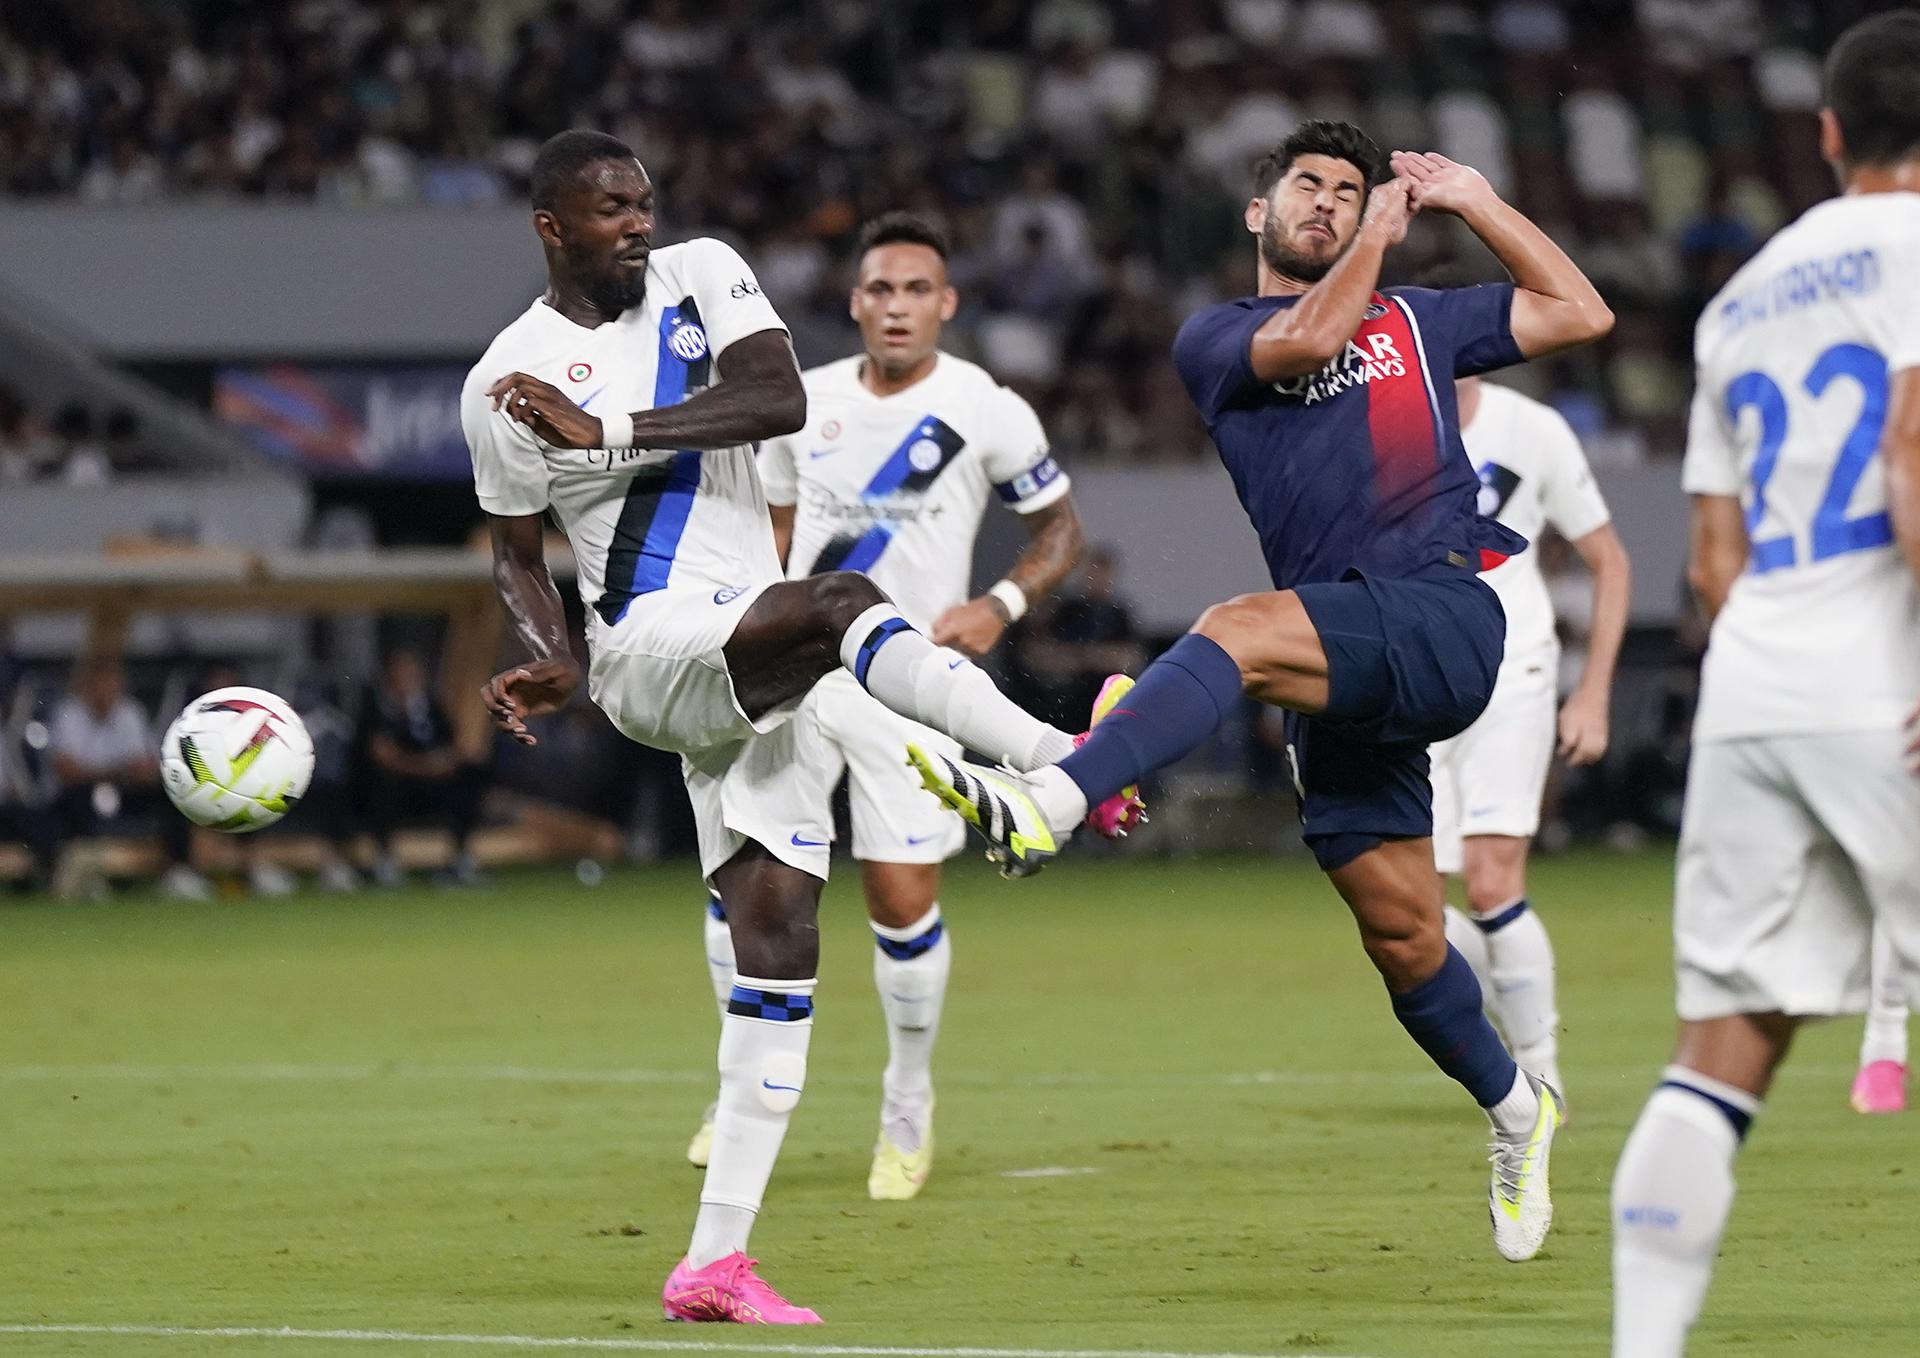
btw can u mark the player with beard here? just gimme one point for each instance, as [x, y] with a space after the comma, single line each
[696, 644]
[1332, 404]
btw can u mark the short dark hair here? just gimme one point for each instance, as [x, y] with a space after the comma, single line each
[1873, 88]
[1320, 137]
[902, 228]
[564, 155]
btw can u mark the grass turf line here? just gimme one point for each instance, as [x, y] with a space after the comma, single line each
[1106, 1015]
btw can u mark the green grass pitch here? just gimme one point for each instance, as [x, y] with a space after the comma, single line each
[464, 1115]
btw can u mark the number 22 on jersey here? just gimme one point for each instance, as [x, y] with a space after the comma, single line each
[1833, 533]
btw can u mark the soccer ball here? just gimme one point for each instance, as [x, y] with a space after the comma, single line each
[237, 759]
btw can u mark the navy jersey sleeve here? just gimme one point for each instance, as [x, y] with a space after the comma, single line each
[1469, 327]
[1210, 353]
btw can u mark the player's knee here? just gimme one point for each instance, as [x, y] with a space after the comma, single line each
[777, 943]
[1407, 950]
[839, 597]
[1494, 871]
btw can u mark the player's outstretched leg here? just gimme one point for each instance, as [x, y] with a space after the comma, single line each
[1881, 1085]
[912, 959]
[1395, 895]
[1673, 1187]
[799, 630]
[718, 938]
[764, 1036]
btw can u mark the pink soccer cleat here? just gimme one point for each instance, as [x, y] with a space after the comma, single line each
[1124, 810]
[1880, 1087]
[728, 1290]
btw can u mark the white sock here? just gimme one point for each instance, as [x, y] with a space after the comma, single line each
[941, 688]
[1520, 967]
[1515, 1114]
[1672, 1191]
[763, 1068]
[1887, 1001]
[719, 937]
[910, 968]
[1471, 944]
[1059, 798]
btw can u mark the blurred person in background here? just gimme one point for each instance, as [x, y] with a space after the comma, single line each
[106, 769]
[78, 459]
[414, 771]
[24, 823]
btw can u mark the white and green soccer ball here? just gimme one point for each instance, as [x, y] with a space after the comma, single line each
[237, 759]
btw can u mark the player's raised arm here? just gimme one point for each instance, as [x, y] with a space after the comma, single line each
[1305, 337]
[539, 622]
[1554, 305]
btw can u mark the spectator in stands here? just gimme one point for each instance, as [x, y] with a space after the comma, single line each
[24, 823]
[78, 459]
[1075, 643]
[106, 769]
[415, 771]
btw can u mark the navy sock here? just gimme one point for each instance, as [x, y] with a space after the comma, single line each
[1178, 703]
[1443, 1015]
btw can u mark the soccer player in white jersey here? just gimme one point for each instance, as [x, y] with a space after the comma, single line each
[1799, 834]
[1488, 780]
[902, 450]
[696, 644]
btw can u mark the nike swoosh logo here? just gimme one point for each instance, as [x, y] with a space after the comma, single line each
[800, 843]
[957, 664]
[918, 839]
[779, 1089]
[821, 452]
[589, 400]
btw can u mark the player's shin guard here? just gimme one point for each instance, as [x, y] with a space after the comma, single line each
[763, 1068]
[719, 941]
[1672, 1191]
[1444, 1016]
[1179, 701]
[910, 969]
[941, 688]
[1520, 968]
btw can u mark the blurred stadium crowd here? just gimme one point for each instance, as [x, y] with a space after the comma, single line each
[1089, 157]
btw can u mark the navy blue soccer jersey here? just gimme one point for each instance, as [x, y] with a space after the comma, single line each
[1358, 466]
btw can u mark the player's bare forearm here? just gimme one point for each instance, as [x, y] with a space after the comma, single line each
[1716, 551]
[1305, 337]
[1606, 557]
[527, 592]
[760, 398]
[1900, 452]
[1555, 305]
[1055, 541]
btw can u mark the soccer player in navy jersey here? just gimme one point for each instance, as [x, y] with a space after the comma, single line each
[1332, 404]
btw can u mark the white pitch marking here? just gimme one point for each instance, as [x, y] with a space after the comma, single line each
[618, 1345]
[1049, 1172]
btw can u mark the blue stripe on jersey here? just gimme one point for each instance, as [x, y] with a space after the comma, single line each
[897, 475]
[660, 498]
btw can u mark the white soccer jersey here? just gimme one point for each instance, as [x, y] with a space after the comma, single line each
[896, 485]
[644, 518]
[1533, 474]
[1822, 631]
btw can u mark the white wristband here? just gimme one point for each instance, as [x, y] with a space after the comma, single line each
[1011, 597]
[616, 431]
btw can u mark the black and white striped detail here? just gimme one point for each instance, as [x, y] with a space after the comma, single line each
[993, 817]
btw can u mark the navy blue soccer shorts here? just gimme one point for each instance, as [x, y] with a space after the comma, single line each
[1410, 661]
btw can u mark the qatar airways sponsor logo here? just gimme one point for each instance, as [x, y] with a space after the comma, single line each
[1366, 358]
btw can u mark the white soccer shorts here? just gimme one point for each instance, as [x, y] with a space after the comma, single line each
[660, 674]
[1488, 779]
[895, 819]
[1791, 847]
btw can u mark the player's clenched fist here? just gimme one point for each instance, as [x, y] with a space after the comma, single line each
[1441, 184]
[529, 690]
[541, 407]
[1389, 208]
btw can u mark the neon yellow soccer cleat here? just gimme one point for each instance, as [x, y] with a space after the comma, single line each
[700, 1149]
[1518, 1202]
[994, 802]
[898, 1175]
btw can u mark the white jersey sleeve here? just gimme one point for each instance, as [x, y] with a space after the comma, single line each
[1018, 460]
[1712, 464]
[731, 303]
[510, 471]
[779, 472]
[1571, 497]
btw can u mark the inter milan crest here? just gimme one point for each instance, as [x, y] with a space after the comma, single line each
[688, 342]
[924, 455]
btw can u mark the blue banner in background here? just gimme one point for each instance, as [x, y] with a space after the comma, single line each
[350, 420]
